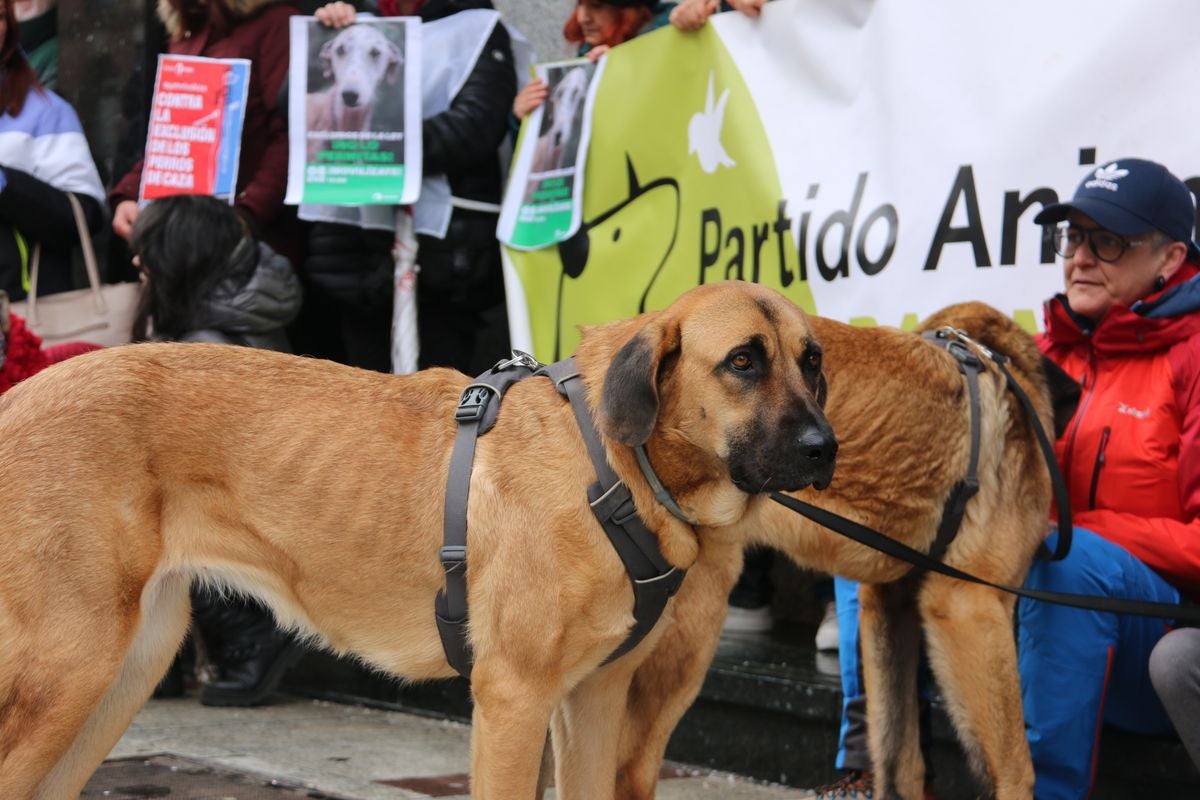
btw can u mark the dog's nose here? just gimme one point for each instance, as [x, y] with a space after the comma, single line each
[817, 446]
[350, 97]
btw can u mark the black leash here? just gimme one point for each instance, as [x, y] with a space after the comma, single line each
[957, 344]
[889, 546]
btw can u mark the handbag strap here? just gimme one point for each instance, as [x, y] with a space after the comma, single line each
[89, 263]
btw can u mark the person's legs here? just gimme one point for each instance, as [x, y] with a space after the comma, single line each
[852, 738]
[1175, 672]
[826, 638]
[251, 653]
[750, 599]
[1069, 658]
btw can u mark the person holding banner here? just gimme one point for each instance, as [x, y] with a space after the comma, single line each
[43, 156]
[597, 26]
[349, 268]
[1127, 328]
[256, 30]
[690, 15]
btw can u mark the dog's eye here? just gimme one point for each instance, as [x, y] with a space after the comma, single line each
[741, 361]
[374, 53]
[812, 361]
[341, 50]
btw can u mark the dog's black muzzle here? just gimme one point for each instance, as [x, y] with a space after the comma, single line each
[805, 457]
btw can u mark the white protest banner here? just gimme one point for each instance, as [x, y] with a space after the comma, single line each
[543, 202]
[875, 161]
[354, 112]
[195, 133]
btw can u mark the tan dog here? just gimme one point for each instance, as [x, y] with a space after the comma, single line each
[318, 488]
[900, 408]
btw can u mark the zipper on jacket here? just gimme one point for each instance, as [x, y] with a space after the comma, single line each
[1084, 398]
[1100, 460]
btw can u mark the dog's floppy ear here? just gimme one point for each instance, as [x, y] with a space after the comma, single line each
[1064, 395]
[326, 56]
[395, 61]
[629, 405]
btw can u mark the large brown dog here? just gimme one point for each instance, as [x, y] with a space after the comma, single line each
[318, 488]
[900, 408]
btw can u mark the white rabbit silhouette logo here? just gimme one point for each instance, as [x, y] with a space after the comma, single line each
[704, 132]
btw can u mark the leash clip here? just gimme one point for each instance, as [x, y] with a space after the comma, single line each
[959, 337]
[519, 359]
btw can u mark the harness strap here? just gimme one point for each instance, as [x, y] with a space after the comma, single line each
[956, 504]
[1062, 501]
[477, 410]
[654, 580]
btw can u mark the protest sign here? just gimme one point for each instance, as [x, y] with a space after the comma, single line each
[354, 112]
[194, 138]
[542, 205]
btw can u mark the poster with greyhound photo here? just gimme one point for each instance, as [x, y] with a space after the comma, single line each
[354, 112]
[545, 191]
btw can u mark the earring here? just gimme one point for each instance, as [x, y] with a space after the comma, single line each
[1160, 282]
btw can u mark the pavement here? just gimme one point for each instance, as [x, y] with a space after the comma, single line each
[347, 752]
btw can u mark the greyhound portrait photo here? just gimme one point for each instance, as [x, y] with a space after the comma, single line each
[353, 96]
[354, 81]
[562, 116]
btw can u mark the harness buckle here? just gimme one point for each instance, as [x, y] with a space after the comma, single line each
[472, 403]
[964, 354]
[453, 556]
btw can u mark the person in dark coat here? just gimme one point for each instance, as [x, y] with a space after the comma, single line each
[207, 279]
[348, 273]
[256, 30]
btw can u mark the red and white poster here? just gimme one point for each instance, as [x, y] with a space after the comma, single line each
[196, 116]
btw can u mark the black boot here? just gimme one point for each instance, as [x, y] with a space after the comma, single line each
[250, 653]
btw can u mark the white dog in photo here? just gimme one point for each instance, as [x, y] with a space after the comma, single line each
[360, 59]
[564, 111]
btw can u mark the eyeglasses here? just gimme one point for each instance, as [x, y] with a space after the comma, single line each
[1105, 245]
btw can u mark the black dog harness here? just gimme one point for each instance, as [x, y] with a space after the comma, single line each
[961, 347]
[654, 580]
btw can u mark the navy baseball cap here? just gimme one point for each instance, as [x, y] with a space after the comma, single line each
[1131, 196]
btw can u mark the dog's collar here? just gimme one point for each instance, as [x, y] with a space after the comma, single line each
[656, 485]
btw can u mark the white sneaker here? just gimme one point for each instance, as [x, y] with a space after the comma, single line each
[748, 620]
[827, 631]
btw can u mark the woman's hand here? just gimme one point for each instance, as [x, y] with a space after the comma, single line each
[336, 14]
[690, 15]
[751, 8]
[123, 217]
[532, 95]
[594, 54]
